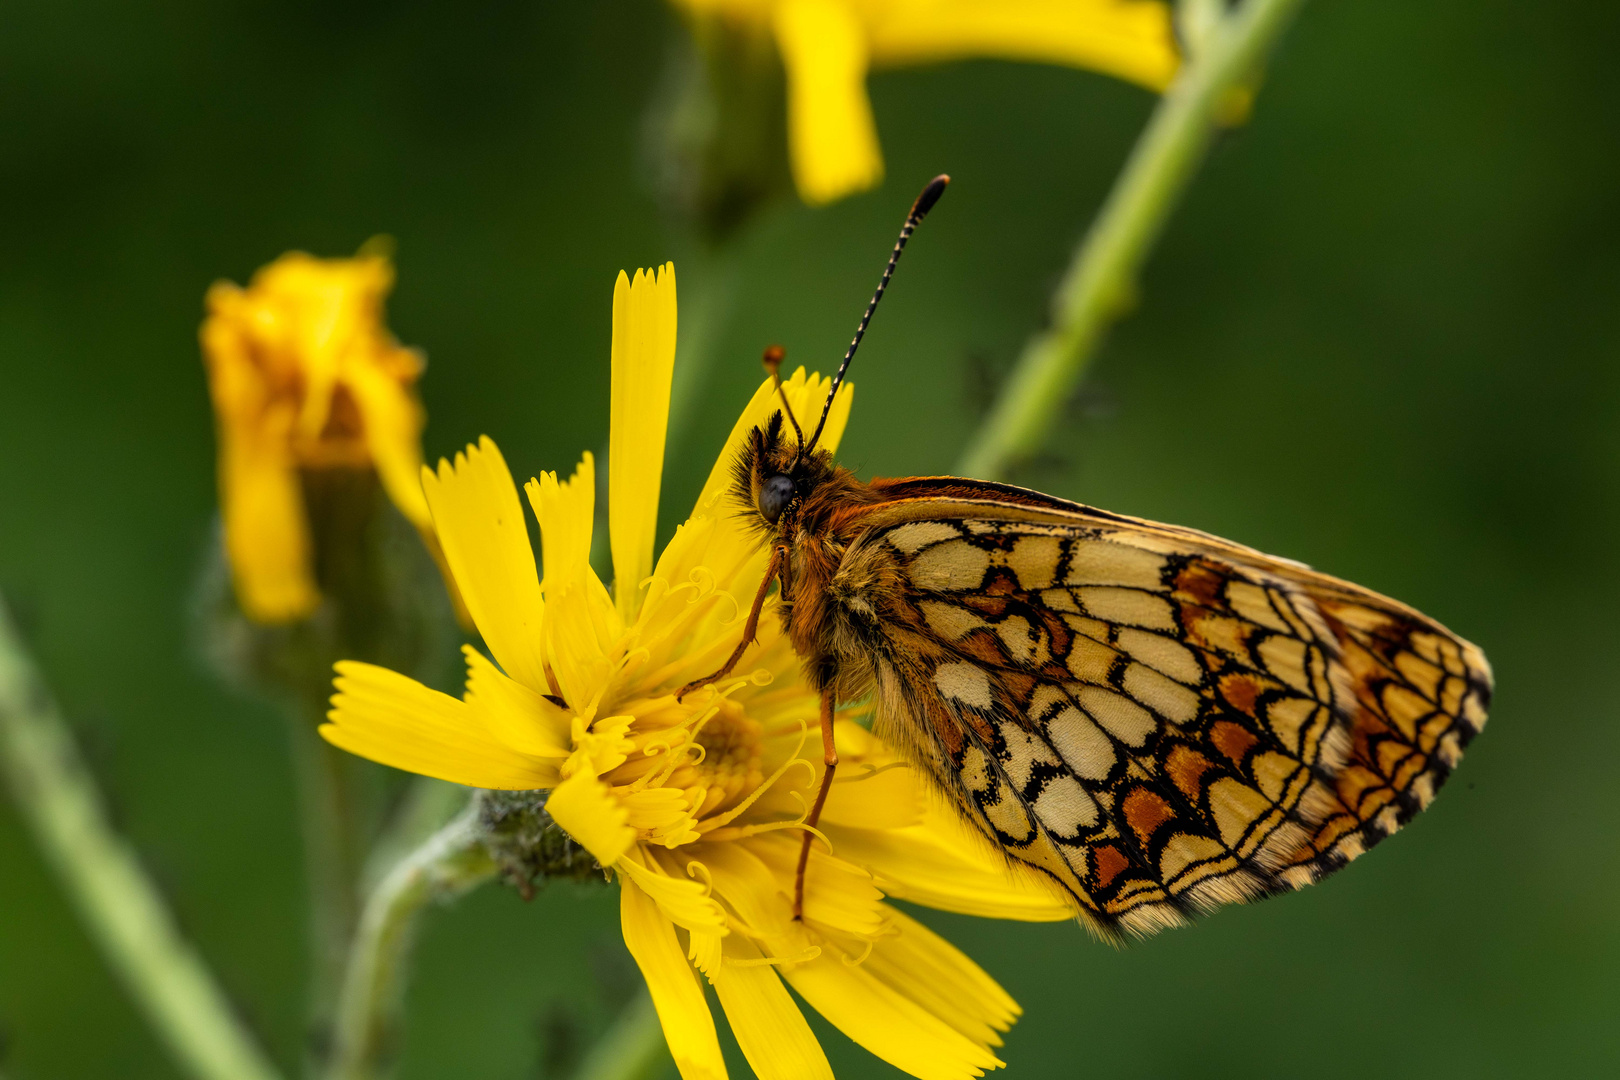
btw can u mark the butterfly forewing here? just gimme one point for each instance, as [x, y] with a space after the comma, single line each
[1156, 720]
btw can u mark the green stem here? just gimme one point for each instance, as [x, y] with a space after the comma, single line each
[634, 1049]
[1100, 279]
[449, 863]
[426, 806]
[123, 909]
[331, 821]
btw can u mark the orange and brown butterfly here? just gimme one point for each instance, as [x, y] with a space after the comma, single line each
[1153, 720]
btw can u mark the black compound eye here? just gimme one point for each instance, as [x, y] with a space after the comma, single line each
[774, 495]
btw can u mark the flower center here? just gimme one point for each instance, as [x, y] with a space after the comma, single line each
[732, 747]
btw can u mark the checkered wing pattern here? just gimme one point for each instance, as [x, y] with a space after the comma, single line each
[1158, 721]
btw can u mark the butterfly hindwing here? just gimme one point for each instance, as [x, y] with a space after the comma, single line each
[1157, 721]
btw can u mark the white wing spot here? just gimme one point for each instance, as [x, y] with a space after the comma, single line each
[1084, 747]
[966, 683]
[1121, 717]
[1065, 808]
[913, 537]
[954, 566]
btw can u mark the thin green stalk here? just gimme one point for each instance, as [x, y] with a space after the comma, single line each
[426, 806]
[334, 857]
[633, 1049]
[1100, 280]
[122, 908]
[449, 863]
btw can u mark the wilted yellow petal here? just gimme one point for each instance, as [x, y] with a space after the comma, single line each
[1132, 39]
[887, 1023]
[382, 715]
[832, 138]
[643, 364]
[392, 421]
[480, 524]
[688, 1025]
[266, 532]
[769, 1027]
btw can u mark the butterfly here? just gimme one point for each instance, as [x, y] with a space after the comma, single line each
[1151, 719]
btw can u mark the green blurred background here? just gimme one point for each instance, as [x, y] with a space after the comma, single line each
[1380, 336]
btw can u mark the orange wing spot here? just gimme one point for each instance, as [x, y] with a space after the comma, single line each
[982, 646]
[1001, 582]
[991, 607]
[1240, 691]
[1145, 812]
[1187, 767]
[1020, 686]
[1200, 584]
[1110, 862]
[1232, 740]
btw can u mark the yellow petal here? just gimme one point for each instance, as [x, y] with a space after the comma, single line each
[684, 1014]
[747, 886]
[945, 863]
[878, 794]
[566, 512]
[588, 812]
[838, 895]
[643, 363]
[582, 630]
[1132, 39]
[514, 714]
[479, 521]
[684, 900]
[886, 1022]
[384, 716]
[931, 971]
[832, 137]
[768, 1025]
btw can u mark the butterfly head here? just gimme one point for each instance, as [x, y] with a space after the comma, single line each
[775, 473]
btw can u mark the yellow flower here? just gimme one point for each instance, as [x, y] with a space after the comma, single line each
[827, 47]
[304, 376]
[695, 805]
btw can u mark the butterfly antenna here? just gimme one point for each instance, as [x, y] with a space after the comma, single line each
[774, 355]
[919, 210]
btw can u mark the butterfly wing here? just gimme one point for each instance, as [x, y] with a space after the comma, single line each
[1154, 719]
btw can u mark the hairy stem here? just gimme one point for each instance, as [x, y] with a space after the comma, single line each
[446, 865]
[122, 908]
[1099, 282]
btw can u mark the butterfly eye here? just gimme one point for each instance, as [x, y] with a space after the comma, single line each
[774, 495]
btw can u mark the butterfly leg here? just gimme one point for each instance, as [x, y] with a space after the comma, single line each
[778, 565]
[830, 759]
